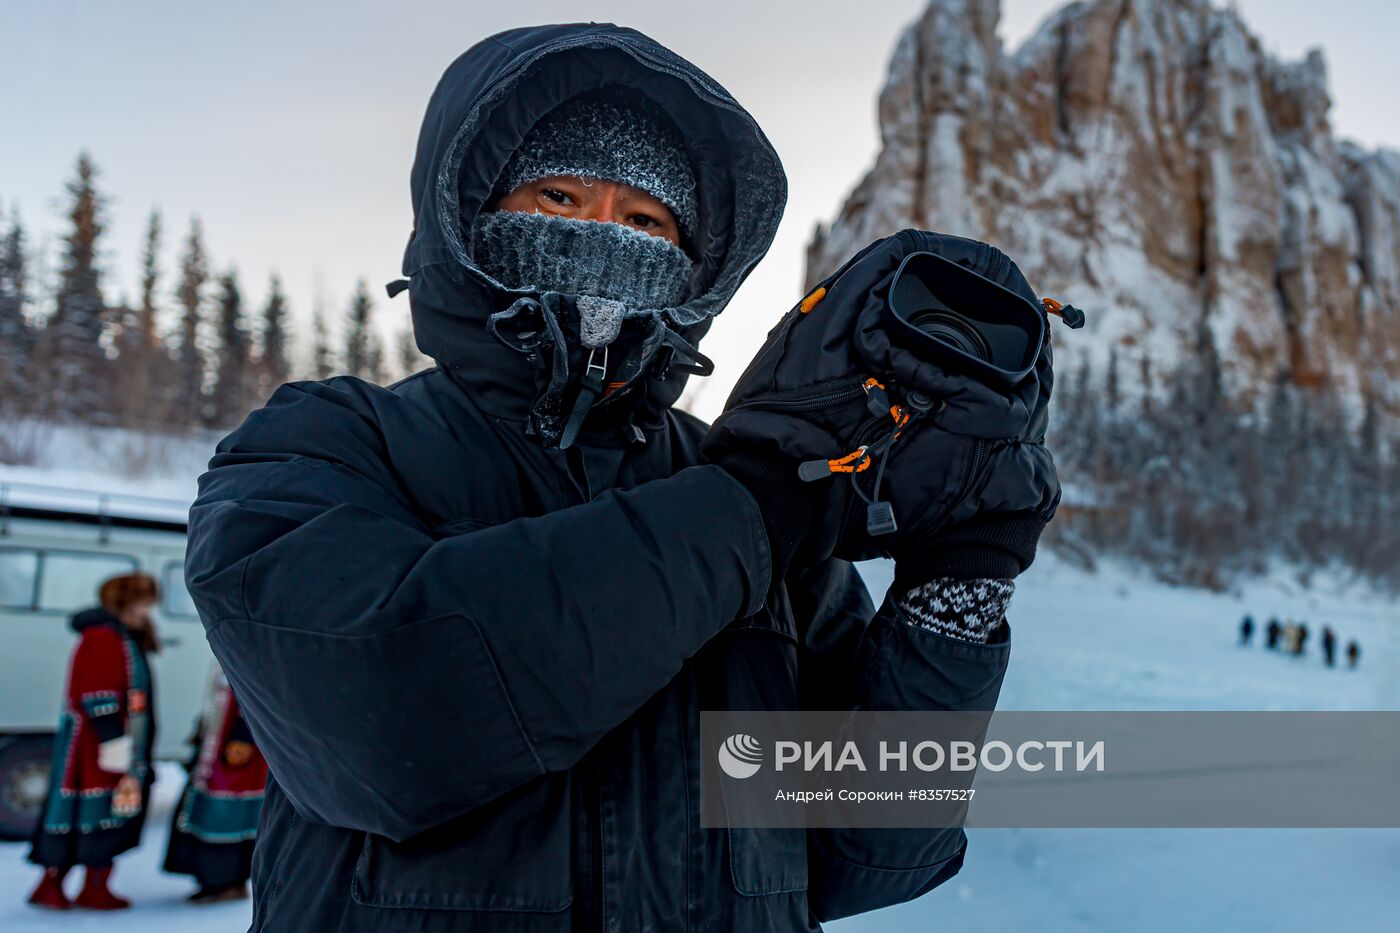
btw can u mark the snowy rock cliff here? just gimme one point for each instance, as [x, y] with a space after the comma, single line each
[1147, 160]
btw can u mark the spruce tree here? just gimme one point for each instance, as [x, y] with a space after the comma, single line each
[322, 362]
[374, 365]
[74, 332]
[364, 354]
[273, 369]
[16, 336]
[1113, 395]
[231, 394]
[410, 358]
[139, 360]
[150, 281]
[189, 354]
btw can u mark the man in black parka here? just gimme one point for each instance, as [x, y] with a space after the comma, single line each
[473, 617]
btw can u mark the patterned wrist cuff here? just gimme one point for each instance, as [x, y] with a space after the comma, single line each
[964, 609]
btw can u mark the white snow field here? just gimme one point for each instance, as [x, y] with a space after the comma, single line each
[1117, 640]
[1113, 639]
[115, 461]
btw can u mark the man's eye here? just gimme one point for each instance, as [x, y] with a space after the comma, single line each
[557, 196]
[645, 222]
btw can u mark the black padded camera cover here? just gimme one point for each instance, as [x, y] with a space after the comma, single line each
[979, 447]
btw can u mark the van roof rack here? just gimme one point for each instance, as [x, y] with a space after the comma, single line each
[61, 503]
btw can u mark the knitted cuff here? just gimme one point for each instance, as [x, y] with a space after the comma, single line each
[787, 505]
[988, 546]
[969, 610]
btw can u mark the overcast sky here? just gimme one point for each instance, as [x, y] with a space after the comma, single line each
[289, 128]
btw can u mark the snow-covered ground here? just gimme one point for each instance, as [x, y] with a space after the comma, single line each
[159, 898]
[109, 460]
[1116, 640]
[1113, 639]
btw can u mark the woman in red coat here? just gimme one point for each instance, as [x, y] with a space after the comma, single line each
[100, 783]
[216, 823]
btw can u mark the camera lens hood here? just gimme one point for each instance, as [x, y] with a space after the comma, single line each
[947, 314]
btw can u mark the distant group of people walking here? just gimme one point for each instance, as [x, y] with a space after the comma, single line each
[1291, 637]
[102, 769]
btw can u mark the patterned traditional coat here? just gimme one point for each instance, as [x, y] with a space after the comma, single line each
[224, 793]
[109, 696]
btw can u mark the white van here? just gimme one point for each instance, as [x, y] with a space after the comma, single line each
[56, 548]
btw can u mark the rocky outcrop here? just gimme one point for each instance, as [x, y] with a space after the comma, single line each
[1147, 160]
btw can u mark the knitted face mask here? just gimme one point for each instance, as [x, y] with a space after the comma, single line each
[581, 257]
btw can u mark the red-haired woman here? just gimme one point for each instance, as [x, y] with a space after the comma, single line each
[100, 784]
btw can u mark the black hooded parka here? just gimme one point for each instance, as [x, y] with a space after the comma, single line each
[475, 662]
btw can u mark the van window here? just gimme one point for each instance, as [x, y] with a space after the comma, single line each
[175, 598]
[70, 579]
[19, 572]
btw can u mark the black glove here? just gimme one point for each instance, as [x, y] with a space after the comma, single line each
[990, 545]
[790, 508]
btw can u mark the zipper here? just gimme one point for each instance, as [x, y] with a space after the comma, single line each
[817, 401]
[997, 267]
[915, 241]
[810, 401]
[974, 470]
[871, 431]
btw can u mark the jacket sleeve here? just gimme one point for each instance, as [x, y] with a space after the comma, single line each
[395, 678]
[897, 666]
[97, 687]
